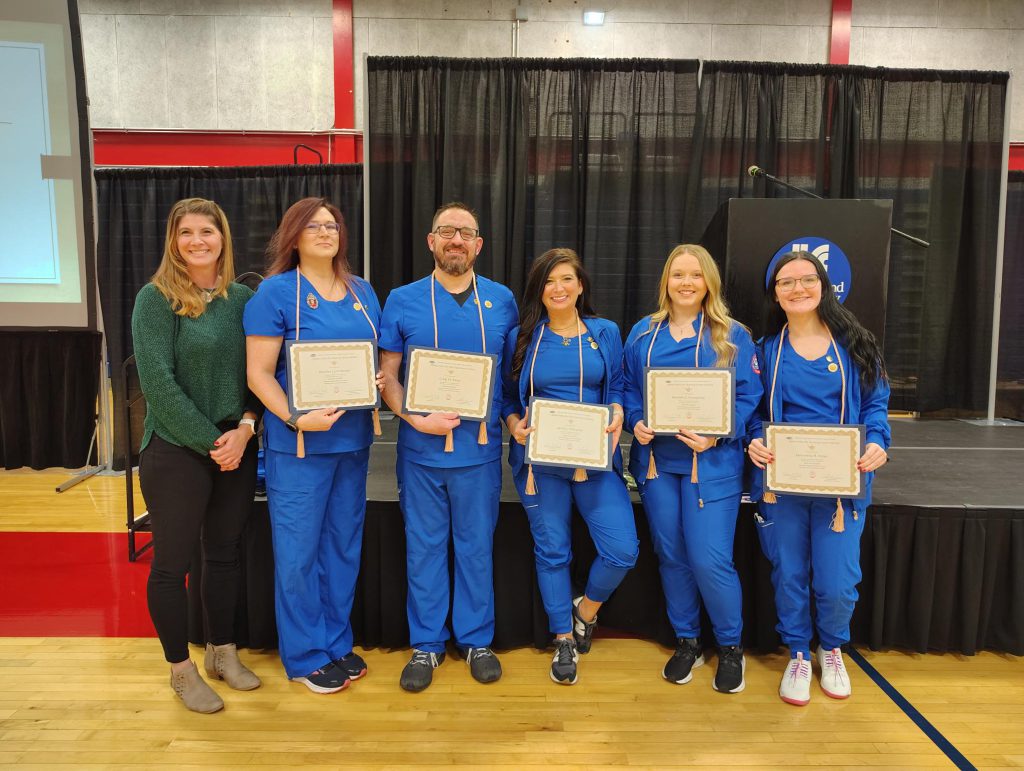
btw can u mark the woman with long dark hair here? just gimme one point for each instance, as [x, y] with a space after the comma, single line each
[316, 461]
[563, 350]
[690, 484]
[198, 463]
[818, 365]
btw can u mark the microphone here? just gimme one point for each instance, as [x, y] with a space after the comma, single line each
[756, 171]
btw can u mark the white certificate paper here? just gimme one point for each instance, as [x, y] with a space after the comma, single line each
[698, 399]
[813, 459]
[569, 434]
[438, 380]
[331, 373]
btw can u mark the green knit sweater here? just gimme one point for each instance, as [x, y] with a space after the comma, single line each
[192, 371]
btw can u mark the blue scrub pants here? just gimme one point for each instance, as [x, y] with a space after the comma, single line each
[317, 508]
[462, 501]
[806, 554]
[604, 504]
[695, 556]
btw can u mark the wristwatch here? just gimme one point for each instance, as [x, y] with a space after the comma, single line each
[293, 421]
[250, 422]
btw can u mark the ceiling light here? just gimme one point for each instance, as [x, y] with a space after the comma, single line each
[593, 18]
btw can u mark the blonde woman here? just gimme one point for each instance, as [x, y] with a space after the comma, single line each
[690, 484]
[198, 463]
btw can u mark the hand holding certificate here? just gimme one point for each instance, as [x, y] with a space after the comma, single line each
[700, 400]
[570, 435]
[331, 373]
[438, 380]
[811, 459]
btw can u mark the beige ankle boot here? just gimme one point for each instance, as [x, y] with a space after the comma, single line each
[194, 691]
[221, 662]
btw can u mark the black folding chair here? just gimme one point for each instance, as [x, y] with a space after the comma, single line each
[134, 411]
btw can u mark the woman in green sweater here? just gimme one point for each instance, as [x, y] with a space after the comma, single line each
[198, 465]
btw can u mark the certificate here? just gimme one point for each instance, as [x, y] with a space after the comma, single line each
[569, 434]
[439, 380]
[813, 459]
[698, 399]
[331, 373]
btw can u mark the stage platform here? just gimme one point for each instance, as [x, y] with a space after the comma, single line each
[942, 556]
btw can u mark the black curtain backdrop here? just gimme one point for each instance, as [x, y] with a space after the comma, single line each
[132, 208]
[929, 140]
[591, 154]
[1010, 381]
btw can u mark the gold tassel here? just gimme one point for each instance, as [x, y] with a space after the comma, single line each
[838, 525]
[376, 422]
[769, 498]
[300, 445]
[481, 438]
[693, 470]
[652, 467]
[449, 442]
[580, 475]
[531, 483]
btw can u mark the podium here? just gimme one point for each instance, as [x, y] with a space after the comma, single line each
[850, 237]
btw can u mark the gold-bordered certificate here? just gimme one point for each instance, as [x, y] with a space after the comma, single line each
[569, 434]
[331, 373]
[815, 459]
[699, 399]
[439, 380]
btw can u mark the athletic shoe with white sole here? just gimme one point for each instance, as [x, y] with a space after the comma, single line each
[688, 656]
[795, 687]
[582, 631]
[327, 679]
[731, 666]
[352, 665]
[563, 665]
[834, 680]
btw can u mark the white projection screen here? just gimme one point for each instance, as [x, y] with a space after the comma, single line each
[47, 260]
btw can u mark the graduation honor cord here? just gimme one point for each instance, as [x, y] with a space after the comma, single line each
[838, 524]
[481, 437]
[300, 442]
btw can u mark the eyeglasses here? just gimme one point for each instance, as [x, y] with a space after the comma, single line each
[809, 281]
[448, 231]
[313, 228]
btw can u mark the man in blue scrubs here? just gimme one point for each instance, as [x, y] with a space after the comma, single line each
[456, 489]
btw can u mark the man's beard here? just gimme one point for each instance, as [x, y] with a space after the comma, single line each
[454, 264]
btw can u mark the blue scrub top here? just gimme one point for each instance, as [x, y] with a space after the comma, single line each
[557, 373]
[810, 393]
[408, 321]
[271, 313]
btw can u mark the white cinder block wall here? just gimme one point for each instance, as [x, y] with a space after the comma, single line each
[268, 64]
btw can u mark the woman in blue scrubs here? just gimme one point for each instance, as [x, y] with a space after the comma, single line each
[316, 461]
[562, 350]
[691, 484]
[818, 365]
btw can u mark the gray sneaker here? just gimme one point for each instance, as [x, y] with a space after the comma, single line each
[419, 672]
[563, 665]
[483, 664]
[582, 631]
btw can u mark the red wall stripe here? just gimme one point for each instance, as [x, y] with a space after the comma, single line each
[344, 80]
[839, 48]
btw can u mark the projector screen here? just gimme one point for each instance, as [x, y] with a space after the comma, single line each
[47, 278]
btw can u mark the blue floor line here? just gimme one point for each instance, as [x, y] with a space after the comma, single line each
[910, 711]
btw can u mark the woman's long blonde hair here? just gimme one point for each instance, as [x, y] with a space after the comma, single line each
[716, 312]
[172, 278]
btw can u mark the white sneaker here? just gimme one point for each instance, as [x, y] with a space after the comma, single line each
[795, 687]
[834, 680]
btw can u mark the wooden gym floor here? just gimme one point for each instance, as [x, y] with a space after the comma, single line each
[104, 701]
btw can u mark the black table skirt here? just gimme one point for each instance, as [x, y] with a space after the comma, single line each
[934, 580]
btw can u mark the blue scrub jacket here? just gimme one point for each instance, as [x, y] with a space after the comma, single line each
[517, 396]
[720, 469]
[870, 408]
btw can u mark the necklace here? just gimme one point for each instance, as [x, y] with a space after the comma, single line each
[566, 341]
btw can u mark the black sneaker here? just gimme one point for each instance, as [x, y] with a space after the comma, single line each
[563, 665]
[483, 664]
[327, 679]
[352, 665]
[731, 666]
[420, 670]
[582, 631]
[688, 655]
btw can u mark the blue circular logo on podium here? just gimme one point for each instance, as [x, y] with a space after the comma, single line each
[836, 263]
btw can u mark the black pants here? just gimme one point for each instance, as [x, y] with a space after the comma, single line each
[191, 501]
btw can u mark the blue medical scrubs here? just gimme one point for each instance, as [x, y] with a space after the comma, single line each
[795, 532]
[693, 525]
[456, 491]
[602, 500]
[317, 503]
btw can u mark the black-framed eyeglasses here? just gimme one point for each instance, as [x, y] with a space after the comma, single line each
[449, 231]
[809, 281]
[331, 227]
